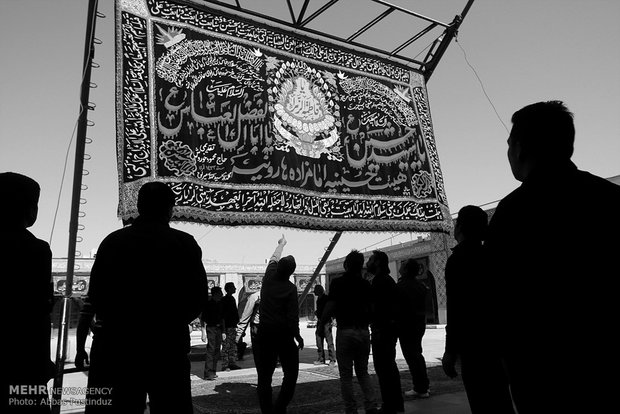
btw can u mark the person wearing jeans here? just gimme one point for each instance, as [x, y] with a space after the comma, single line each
[411, 322]
[323, 333]
[211, 323]
[385, 333]
[352, 351]
[231, 318]
[350, 302]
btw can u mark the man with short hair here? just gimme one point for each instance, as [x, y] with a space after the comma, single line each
[323, 332]
[411, 323]
[231, 318]
[384, 332]
[278, 331]
[147, 280]
[27, 282]
[350, 302]
[553, 244]
[468, 338]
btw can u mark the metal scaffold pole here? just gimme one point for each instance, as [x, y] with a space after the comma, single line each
[328, 251]
[61, 349]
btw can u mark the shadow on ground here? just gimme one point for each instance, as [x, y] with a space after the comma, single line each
[317, 391]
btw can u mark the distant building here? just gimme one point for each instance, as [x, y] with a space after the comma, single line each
[246, 277]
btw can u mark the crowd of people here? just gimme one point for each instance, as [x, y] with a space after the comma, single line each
[544, 265]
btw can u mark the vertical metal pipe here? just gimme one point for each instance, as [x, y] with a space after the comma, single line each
[63, 329]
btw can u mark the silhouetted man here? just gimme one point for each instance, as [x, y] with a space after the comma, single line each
[411, 321]
[554, 245]
[384, 332]
[147, 281]
[231, 318]
[278, 331]
[350, 302]
[468, 336]
[27, 278]
[211, 325]
[323, 334]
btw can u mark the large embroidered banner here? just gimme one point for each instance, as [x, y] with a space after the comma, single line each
[251, 124]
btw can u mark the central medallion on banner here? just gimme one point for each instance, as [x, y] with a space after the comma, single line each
[304, 110]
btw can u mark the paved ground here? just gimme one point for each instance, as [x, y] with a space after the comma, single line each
[317, 389]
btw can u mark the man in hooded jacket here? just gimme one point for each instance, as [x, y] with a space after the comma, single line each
[278, 331]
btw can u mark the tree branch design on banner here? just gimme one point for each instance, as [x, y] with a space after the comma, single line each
[253, 125]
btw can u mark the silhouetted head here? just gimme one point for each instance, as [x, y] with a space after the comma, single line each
[378, 263]
[471, 224]
[216, 293]
[230, 288]
[286, 267]
[20, 200]
[318, 290]
[410, 268]
[155, 201]
[354, 262]
[542, 133]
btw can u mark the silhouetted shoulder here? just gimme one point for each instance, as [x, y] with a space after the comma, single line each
[181, 235]
[17, 247]
[186, 239]
[115, 235]
[41, 247]
[513, 197]
[600, 185]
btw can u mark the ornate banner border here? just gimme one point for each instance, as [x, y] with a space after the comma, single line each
[305, 194]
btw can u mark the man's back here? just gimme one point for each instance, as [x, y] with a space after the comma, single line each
[384, 299]
[278, 303]
[27, 264]
[410, 298]
[230, 311]
[320, 304]
[553, 244]
[467, 296]
[148, 277]
[212, 313]
[353, 297]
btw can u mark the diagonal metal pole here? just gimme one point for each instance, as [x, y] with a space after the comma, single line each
[441, 44]
[63, 329]
[328, 251]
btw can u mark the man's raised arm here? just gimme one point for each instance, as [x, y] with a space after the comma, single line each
[275, 257]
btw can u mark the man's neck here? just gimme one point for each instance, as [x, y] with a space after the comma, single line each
[549, 168]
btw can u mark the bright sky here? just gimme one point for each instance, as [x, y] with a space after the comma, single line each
[523, 51]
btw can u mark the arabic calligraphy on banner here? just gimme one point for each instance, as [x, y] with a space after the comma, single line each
[249, 124]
